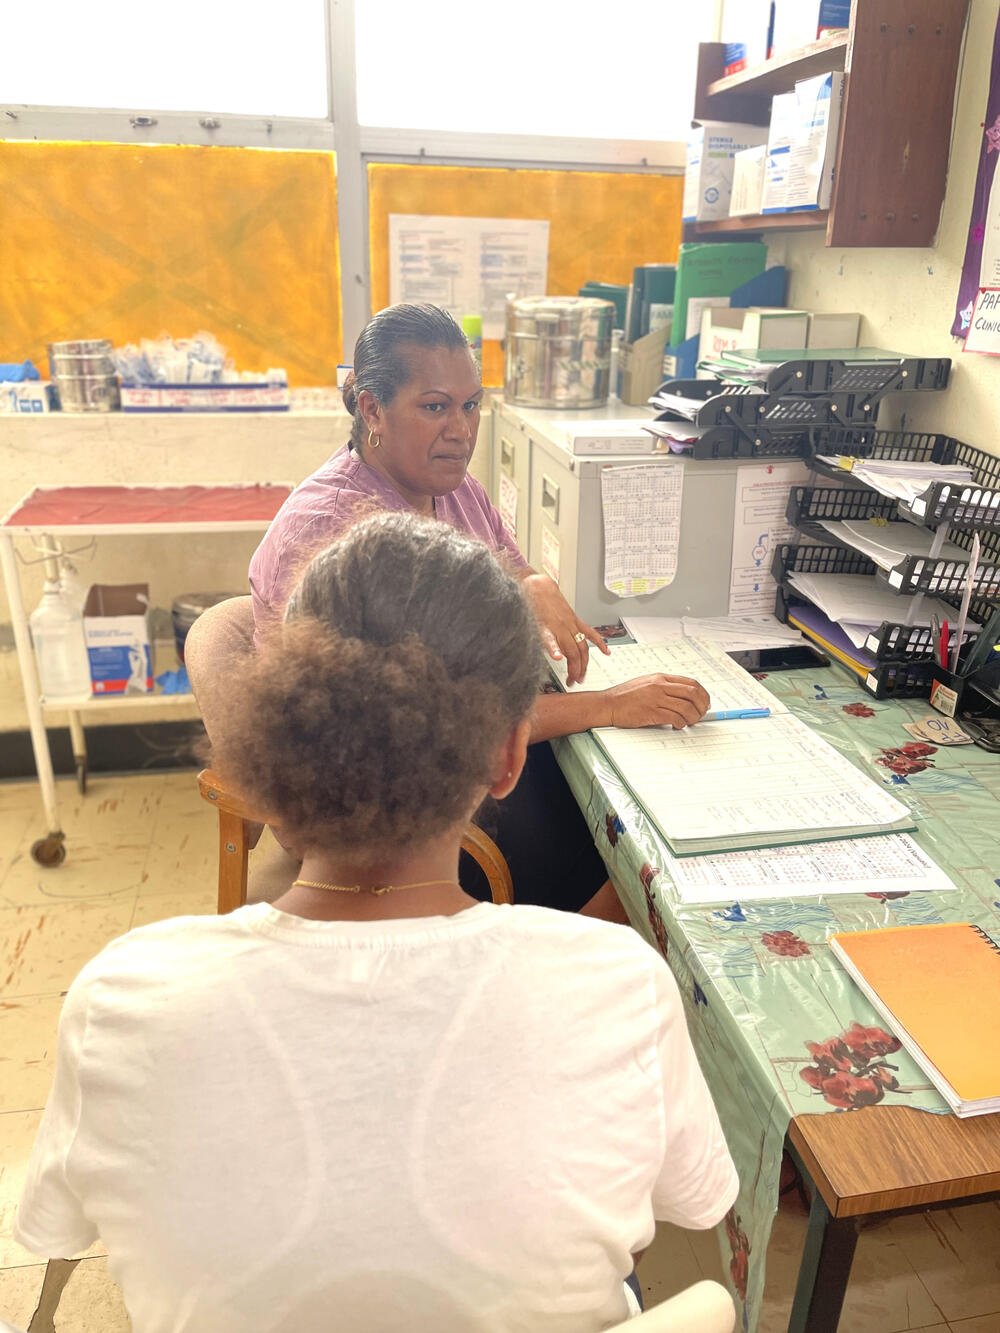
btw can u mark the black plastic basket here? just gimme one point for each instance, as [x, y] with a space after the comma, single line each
[808, 506]
[789, 559]
[727, 442]
[897, 445]
[872, 378]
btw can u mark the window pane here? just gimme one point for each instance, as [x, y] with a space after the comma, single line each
[245, 57]
[590, 69]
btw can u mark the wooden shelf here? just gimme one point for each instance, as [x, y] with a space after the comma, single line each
[814, 221]
[781, 73]
[895, 120]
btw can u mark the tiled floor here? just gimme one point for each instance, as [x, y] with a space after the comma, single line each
[143, 848]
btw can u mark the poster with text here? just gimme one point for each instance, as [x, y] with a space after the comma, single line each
[982, 252]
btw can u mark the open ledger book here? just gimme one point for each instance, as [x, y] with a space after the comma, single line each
[761, 781]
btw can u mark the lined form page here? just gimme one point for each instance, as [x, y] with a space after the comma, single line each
[729, 687]
[893, 863]
[757, 783]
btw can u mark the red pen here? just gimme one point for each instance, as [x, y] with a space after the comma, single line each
[944, 645]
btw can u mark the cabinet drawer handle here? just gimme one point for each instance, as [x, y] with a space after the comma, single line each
[507, 457]
[550, 498]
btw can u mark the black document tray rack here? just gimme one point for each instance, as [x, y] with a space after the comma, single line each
[871, 378]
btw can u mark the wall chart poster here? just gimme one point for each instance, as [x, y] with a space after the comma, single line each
[982, 252]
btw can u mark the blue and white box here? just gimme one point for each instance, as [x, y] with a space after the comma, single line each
[116, 630]
[802, 146]
[708, 178]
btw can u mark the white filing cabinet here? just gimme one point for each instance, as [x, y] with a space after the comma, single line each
[562, 521]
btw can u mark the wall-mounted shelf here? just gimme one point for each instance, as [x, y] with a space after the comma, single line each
[781, 73]
[901, 60]
[758, 222]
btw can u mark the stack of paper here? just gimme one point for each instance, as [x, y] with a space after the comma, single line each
[900, 479]
[731, 633]
[679, 436]
[889, 544]
[858, 603]
[724, 785]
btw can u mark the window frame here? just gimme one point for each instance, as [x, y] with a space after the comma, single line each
[355, 146]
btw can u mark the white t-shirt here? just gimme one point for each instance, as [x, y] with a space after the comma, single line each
[447, 1123]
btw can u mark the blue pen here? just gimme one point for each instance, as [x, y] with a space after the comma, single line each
[730, 714]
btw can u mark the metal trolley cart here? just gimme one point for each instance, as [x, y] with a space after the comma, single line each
[50, 515]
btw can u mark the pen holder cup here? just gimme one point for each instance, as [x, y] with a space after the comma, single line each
[946, 691]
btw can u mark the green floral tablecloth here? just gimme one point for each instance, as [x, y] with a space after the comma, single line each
[779, 1027]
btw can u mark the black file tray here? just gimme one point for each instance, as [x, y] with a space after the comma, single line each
[962, 504]
[830, 559]
[745, 406]
[727, 442]
[872, 378]
[808, 506]
[886, 679]
[895, 445]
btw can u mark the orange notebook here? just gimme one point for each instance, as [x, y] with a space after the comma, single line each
[938, 988]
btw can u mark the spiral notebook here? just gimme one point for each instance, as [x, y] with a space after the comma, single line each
[938, 988]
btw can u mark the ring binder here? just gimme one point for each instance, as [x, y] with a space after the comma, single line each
[994, 944]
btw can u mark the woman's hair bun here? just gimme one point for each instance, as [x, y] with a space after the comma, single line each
[349, 392]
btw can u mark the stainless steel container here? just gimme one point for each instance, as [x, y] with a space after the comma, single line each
[557, 351]
[84, 375]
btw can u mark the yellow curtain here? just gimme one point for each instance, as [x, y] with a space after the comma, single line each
[601, 224]
[114, 241]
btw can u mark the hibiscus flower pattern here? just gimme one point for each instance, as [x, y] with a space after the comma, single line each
[739, 1245]
[858, 710]
[613, 827]
[647, 875]
[851, 1070]
[785, 943]
[905, 760]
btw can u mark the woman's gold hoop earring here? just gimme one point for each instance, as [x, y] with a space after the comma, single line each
[374, 441]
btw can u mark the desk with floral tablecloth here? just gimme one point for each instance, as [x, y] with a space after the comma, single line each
[779, 1027]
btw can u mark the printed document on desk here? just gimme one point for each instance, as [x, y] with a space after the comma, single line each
[730, 688]
[893, 863]
[642, 526]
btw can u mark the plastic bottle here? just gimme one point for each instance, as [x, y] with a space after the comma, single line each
[472, 327]
[60, 647]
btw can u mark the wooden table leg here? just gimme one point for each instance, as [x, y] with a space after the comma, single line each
[824, 1270]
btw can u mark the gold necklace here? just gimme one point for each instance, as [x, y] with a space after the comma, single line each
[378, 891]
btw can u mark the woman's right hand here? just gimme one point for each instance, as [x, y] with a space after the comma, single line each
[657, 701]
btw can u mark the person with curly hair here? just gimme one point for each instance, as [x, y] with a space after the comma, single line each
[377, 1104]
[415, 395]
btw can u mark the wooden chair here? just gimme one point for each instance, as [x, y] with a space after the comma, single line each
[217, 639]
[238, 826]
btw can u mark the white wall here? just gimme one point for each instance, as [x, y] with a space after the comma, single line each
[908, 297]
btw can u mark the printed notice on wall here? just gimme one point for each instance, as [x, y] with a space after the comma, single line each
[981, 267]
[984, 330]
[759, 526]
[467, 265]
[642, 526]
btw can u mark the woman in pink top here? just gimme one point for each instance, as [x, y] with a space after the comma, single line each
[415, 396]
